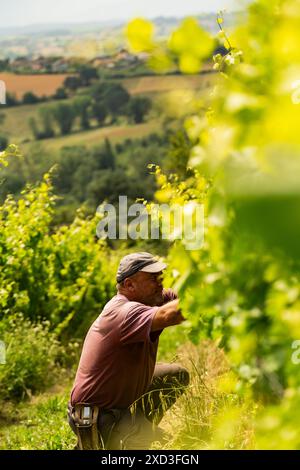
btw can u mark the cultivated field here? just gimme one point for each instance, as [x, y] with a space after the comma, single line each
[40, 85]
[46, 85]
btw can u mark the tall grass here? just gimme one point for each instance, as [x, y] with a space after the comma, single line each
[209, 415]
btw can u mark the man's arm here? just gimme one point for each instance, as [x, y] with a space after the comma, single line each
[167, 315]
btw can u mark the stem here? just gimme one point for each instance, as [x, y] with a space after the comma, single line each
[225, 36]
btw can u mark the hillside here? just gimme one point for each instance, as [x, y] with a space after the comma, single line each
[63, 39]
[17, 129]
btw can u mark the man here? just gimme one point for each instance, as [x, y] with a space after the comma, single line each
[117, 374]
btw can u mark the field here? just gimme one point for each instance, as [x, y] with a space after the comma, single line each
[158, 84]
[46, 85]
[17, 129]
[40, 85]
[96, 136]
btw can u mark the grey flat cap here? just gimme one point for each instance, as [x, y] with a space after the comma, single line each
[135, 262]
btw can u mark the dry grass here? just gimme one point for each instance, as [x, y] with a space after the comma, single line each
[205, 417]
[97, 136]
[146, 85]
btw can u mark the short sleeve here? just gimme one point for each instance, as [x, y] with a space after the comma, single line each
[136, 326]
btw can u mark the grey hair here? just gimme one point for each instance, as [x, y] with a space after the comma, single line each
[120, 284]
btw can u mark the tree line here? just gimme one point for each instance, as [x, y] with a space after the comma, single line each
[104, 102]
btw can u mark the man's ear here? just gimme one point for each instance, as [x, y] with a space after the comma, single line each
[128, 284]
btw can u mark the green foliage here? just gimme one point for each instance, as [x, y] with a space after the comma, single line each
[89, 175]
[30, 98]
[3, 142]
[33, 355]
[64, 115]
[10, 151]
[60, 94]
[99, 112]
[44, 274]
[103, 102]
[241, 288]
[40, 425]
[178, 153]
[72, 83]
[81, 107]
[45, 130]
[87, 74]
[11, 100]
[113, 95]
[138, 107]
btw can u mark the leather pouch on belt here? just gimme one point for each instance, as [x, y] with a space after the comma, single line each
[85, 418]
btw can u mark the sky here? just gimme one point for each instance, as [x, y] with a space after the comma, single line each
[28, 12]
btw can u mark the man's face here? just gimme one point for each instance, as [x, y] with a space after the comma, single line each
[147, 288]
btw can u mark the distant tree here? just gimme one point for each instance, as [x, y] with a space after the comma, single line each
[109, 160]
[104, 156]
[60, 94]
[70, 160]
[113, 95]
[99, 111]
[3, 142]
[45, 131]
[4, 65]
[72, 82]
[11, 99]
[46, 119]
[30, 98]
[138, 107]
[87, 74]
[81, 108]
[97, 91]
[2, 118]
[108, 184]
[116, 97]
[64, 116]
[34, 128]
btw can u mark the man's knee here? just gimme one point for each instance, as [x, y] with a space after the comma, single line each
[182, 377]
[175, 374]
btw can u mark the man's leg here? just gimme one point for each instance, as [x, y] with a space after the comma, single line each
[133, 430]
[130, 428]
[168, 383]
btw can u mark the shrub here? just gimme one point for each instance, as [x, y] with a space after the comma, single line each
[63, 275]
[3, 142]
[30, 98]
[32, 357]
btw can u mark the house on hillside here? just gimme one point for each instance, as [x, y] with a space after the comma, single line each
[120, 59]
[125, 56]
[60, 66]
[19, 64]
[106, 61]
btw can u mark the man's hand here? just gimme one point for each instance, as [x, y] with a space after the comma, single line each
[167, 315]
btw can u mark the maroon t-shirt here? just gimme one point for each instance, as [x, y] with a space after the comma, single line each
[119, 353]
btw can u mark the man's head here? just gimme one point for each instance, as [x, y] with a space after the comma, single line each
[139, 278]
